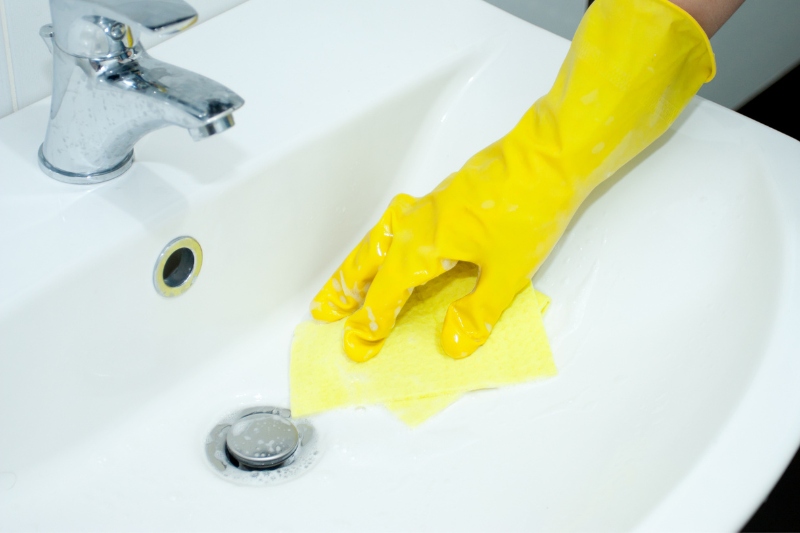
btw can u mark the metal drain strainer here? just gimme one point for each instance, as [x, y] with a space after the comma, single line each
[261, 446]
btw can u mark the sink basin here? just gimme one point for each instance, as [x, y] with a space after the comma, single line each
[675, 292]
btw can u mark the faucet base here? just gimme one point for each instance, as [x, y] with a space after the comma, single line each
[88, 179]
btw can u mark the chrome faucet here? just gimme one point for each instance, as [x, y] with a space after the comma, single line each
[108, 92]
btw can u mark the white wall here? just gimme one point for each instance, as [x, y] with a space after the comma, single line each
[25, 66]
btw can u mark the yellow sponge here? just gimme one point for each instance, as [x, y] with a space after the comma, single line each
[412, 375]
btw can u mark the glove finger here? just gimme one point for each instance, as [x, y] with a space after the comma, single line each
[469, 321]
[366, 329]
[344, 292]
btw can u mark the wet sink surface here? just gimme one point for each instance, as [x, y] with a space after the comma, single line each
[675, 295]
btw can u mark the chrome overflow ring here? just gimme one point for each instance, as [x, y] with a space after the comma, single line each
[262, 446]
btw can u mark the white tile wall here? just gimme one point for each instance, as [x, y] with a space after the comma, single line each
[30, 59]
[6, 102]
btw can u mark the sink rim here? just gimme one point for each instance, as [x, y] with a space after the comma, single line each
[724, 453]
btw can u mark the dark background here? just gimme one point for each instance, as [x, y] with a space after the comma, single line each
[777, 107]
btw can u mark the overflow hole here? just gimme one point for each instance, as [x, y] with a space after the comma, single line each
[178, 267]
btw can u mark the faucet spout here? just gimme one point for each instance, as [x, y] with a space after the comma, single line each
[212, 128]
[102, 106]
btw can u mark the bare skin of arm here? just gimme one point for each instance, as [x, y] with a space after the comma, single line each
[710, 14]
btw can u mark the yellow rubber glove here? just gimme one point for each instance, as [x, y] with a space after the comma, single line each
[632, 67]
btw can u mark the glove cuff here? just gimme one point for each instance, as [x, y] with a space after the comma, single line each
[633, 66]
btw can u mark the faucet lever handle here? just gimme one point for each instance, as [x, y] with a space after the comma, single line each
[70, 19]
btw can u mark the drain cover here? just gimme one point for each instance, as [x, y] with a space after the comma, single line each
[262, 440]
[261, 446]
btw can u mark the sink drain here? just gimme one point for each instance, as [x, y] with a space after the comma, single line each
[261, 446]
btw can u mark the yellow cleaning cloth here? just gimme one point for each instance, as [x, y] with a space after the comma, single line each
[412, 375]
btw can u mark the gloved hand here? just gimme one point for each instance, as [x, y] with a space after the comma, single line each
[632, 67]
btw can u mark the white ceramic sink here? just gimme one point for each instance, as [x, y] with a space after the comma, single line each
[674, 323]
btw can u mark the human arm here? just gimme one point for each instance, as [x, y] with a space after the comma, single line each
[631, 69]
[710, 14]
